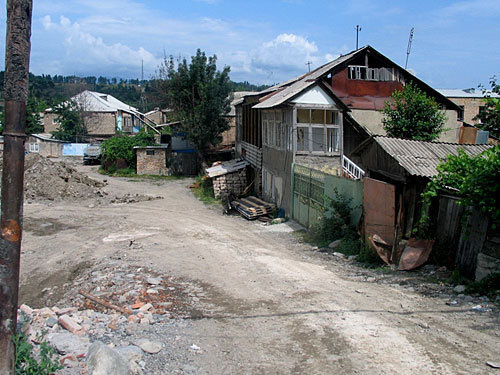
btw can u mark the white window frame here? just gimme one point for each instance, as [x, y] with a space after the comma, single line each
[34, 147]
[309, 126]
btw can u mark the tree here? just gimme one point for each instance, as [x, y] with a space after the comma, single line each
[199, 95]
[122, 147]
[411, 114]
[71, 125]
[475, 180]
[33, 121]
[490, 116]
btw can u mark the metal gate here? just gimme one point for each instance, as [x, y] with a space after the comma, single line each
[308, 195]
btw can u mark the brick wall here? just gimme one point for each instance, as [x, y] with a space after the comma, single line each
[234, 183]
[154, 163]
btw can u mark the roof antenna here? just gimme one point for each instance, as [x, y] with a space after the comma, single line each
[410, 39]
[358, 29]
[309, 65]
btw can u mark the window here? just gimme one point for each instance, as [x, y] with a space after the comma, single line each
[460, 115]
[318, 131]
[365, 73]
[150, 152]
[275, 128]
[34, 147]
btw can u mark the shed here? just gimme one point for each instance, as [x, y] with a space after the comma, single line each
[405, 166]
[45, 145]
[152, 160]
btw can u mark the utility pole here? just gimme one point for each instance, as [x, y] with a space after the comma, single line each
[17, 54]
[309, 65]
[410, 39]
[358, 29]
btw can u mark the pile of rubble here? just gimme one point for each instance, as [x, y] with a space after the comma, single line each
[46, 179]
[111, 310]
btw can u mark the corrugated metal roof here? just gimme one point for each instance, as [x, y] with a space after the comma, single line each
[98, 102]
[467, 93]
[420, 158]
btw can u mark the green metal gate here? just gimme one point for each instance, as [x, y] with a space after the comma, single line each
[308, 195]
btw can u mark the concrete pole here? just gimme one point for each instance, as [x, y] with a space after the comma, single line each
[17, 55]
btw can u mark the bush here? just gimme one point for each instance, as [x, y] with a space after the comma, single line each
[489, 286]
[335, 223]
[26, 361]
[122, 147]
[203, 189]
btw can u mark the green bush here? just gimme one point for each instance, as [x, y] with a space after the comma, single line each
[26, 361]
[122, 147]
[489, 286]
[203, 189]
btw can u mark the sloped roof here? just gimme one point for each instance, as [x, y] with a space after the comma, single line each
[291, 88]
[421, 158]
[98, 102]
[467, 93]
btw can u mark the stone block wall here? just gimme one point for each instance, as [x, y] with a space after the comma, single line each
[152, 161]
[234, 183]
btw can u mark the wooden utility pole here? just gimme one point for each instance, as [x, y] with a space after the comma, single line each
[358, 29]
[17, 53]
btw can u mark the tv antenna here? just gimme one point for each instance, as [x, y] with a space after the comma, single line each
[309, 65]
[410, 39]
[358, 29]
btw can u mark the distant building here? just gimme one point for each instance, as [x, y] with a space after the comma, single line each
[470, 101]
[104, 116]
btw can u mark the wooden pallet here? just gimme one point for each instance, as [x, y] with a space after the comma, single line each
[253, 207]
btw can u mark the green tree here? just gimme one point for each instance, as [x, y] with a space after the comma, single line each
[476, 180]
[411, 114]
[33, 120]
[71, 126]
[199, 95]
[490, 116]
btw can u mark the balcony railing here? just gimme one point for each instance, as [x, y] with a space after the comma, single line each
[351, 169]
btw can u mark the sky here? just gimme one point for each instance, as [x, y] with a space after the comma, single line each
[456, 44]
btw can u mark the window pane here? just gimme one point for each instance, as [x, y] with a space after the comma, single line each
[318, 139]
[302, 141]
[332, 117]
[303, 116]
[318, 116]
[332, 138]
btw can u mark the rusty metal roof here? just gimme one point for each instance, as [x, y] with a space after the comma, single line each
[421, 158]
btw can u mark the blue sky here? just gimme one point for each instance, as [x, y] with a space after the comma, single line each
[456, 43]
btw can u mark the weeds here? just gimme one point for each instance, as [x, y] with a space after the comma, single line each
[489, 286]
[26, 360]
[130, 172]
[204, 190]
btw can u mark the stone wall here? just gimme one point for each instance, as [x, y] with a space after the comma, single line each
[152, 161]
[234, 183]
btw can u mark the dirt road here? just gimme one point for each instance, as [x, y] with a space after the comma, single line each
[261, 302]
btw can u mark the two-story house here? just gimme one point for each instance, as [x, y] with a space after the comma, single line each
[317, 118]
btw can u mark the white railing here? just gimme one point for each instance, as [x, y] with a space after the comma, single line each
[352, 169]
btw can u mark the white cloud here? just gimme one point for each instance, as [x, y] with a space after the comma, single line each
[287, 52]
[83, 51]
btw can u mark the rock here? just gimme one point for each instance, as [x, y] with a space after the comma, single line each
[339, 255]
[137, 305]
[278, 220]
[334, 244]
[26, 309]
[352, 257]
[102, 360]
[51, 321]
[131, 352]
[154, 280]
[468, 299]
[69, 360]
[459, 289]
[152, 291]
[69, 324]
[195, 347]
[151, 347]
[146, 307]
[66, 342]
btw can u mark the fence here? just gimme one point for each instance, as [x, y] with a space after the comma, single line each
[74, 149]
[311, 189]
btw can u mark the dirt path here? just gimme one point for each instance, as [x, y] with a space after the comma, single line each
[262, 302]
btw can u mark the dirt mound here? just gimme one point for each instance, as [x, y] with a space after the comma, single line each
[46, 179]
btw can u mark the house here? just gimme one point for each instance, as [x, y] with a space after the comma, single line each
[158, 116]
[471, 102]
[317, 118]
[103, 116]
[44, 145]
[229, 136]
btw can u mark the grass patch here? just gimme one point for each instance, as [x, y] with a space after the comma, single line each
[130, 173]
[204, 190]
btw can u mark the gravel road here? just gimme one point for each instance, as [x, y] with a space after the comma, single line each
[260, 301]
